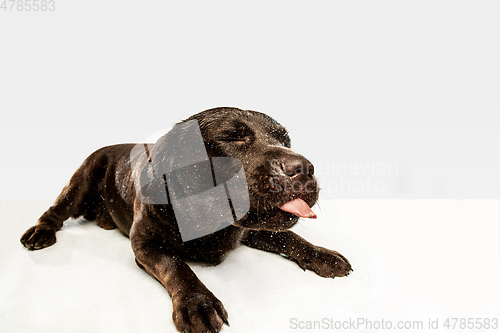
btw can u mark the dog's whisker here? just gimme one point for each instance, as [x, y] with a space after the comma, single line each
[301, 225]
[318, 204]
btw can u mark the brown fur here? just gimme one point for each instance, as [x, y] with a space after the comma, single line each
[102, 189]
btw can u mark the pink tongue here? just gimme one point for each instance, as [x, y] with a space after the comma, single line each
[298, 207]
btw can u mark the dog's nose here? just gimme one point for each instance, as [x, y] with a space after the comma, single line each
[298, 168]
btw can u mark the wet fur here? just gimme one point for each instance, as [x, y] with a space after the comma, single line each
[102, 189]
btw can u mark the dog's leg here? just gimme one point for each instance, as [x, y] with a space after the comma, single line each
[324, 262]
[195, 308]
[79, 197]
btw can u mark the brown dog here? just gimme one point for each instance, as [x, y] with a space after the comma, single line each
[281, 187]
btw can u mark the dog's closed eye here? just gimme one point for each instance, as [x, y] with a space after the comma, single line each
[240, 135]
[234, 138]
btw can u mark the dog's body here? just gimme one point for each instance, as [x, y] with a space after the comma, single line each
[280, 184]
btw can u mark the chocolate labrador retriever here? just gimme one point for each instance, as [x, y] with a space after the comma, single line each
[116, 187]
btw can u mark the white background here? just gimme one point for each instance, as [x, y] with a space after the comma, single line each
[414, 84]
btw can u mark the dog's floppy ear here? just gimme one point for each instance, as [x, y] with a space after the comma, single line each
[149, 186]
[181, 147]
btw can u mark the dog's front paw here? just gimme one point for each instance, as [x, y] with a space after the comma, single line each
[325, 263]
[200, 312]
[39, 237]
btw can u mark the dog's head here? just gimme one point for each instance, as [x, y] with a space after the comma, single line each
[274, 185]
[281, 183]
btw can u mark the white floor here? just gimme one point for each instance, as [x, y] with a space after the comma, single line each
[413, 261]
